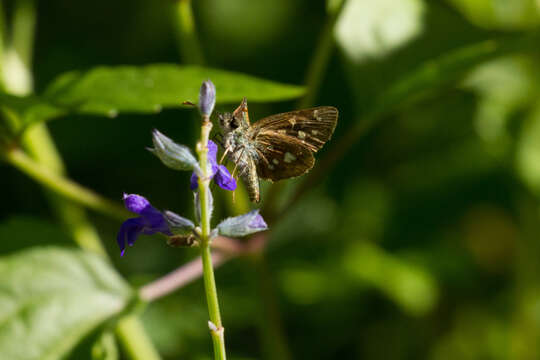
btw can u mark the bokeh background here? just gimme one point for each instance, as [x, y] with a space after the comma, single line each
[419, 240]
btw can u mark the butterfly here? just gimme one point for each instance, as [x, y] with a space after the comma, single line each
[276, 147]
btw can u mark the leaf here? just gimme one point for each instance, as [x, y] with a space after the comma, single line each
[505, 86]
[50, 298]
[528, 150]
[148, 89]
[369, 29]
[409, 285]
[504, 15]
[30, 109]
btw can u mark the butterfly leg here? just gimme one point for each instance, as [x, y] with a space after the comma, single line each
[224, 153]
[220, 140]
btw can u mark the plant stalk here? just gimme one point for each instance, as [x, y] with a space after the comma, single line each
[215, 325]
[186, 33]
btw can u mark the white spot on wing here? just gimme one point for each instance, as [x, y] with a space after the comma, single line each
[314, 132]
[301, 134]
[288, 157]
[292, 120]
[275, 161]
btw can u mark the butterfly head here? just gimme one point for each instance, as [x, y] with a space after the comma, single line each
[237, 119]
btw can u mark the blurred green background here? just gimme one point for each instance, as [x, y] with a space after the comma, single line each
[420, 241]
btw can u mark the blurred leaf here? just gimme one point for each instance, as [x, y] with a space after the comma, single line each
[496, 14]
[30, 108]
[305, 285]
[374, 28]
[148, 89]
[174, 324]
[105, 348]
[528, 150]
[475, 334]
[409, 285]
[505, 86]
[52, 297]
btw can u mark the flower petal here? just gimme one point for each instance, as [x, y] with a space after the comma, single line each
[224, 179]
[130, 229]
[194, 182]
[212, 152]
[136, 203]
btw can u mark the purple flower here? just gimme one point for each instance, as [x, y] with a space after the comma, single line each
[220, 174]
[149, 222]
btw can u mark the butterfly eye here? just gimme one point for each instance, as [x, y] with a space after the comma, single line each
[234, 123]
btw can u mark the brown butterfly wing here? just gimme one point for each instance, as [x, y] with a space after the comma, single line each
[286, 142]
[312, 127]
[281, 156]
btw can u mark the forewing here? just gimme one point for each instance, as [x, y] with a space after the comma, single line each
[281, 156]
[312, 127]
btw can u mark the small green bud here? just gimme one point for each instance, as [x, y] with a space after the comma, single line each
[173, 155]
[242, 225]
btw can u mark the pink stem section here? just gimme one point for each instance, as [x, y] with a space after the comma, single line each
[227, 248]
[178, 278]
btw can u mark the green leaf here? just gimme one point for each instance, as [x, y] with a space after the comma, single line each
[50, 298]
[504, 15]
[30, 109]
[528, 150]
[371, 29]
[147, 89]
[409, 285]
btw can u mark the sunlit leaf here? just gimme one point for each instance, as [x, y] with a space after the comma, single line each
[50, 298]
[528, 150]
[147, 89]
[506, 15]
[408, 285]
[373, 28]
[505, 86]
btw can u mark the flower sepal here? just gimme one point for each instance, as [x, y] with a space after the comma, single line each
[173, 155]
[242, 225]
[177, 224]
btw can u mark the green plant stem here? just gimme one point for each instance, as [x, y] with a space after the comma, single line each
[133, 337]
[62, 186]
[186, 33]
[215, 325]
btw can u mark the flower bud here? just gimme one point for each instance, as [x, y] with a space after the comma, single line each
[207, 98]
[173, 155]
[242, 225]
[178, 224]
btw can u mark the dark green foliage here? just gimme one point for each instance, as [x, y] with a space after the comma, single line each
[416, 236]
